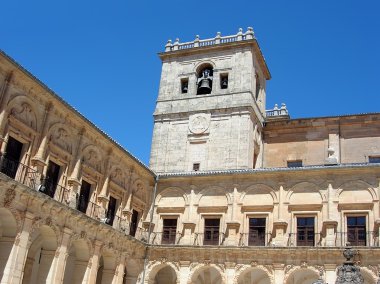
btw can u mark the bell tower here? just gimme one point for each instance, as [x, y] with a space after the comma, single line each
[211, 105]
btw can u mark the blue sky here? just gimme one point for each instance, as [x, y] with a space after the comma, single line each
[101, 56]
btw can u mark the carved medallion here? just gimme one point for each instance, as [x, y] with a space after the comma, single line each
[199, 123]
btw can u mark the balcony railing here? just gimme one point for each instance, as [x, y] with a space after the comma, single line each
[165, 238]
[362, 238]
[215, 239]
[259, 240]
[307, 240]
[19, 172]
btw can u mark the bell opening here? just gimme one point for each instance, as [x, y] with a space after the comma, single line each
[204, 81]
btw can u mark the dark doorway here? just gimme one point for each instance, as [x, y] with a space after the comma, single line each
[111, 211]
[356, 230]
[211, 235]
[134, 220]
[305, 231]
[84, 196]
[11, 157]
[256, 235]
[169, 231]
[49, 184]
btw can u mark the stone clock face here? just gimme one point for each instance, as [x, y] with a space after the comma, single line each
[199, 123]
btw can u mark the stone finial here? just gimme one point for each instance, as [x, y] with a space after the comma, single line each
[176, 43]
[283, 106]
[196, 41]
[240, 34]
[275, 106]
[168, 45]
[249, 33]
[217, 37]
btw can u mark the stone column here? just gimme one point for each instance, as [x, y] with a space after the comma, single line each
[74, 179]
[330, 273]
[279, 273]
[4, 94]
[230, 272]
[184, 272]
[119, 273]
[61, 256]
[39, 158]
[95, 262]
[14, 269]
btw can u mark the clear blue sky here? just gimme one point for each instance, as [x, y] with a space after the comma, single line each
[101, 56]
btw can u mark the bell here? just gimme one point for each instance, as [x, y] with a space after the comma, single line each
[204, 87]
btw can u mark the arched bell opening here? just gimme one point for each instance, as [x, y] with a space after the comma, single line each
[253, 275]
[39, 262]
[302, 276]
[204, 79]
[77, 263]
[8, 230]
[206, 275]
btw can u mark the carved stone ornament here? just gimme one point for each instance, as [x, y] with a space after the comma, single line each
[9, 197]
[348, 273]
[199, 123]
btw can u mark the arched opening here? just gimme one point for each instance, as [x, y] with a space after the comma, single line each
[206, 275]
[204, 79]
[302, 276]
[8, 230]
[253, 275]
[166, 275]
[39, 262]
[106, 270]
[76, 263]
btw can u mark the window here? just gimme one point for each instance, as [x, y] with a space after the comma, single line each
[134, 222]
[50, 182]
[258, 87]
[224, 81]
[196, 167]
[169, 231]
[211, 233]
[256, 236]
[356, 230]
[294, 164]
[11, 157]
[110, 216]
[184, 85]
[374, 159]
[84, 196]
[305, 231]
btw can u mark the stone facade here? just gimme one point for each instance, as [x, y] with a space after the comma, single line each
[236, 194]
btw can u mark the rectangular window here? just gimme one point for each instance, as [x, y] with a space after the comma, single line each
[169, 231]
[211, 233]
[50, 182]
[256, 236]
[196, 167]
[305, 231]
[224, 81]
[294, 164]
[110, 216]
[356, 230]
[374, 159]
[184, 85]
[84, 196]
[134, 222]
[11, 158]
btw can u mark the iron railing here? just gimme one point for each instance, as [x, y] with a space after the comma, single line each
[166, 238]
[19, 172]
[362, 238]
[216, 239]
[307, 240]
[258, 240]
